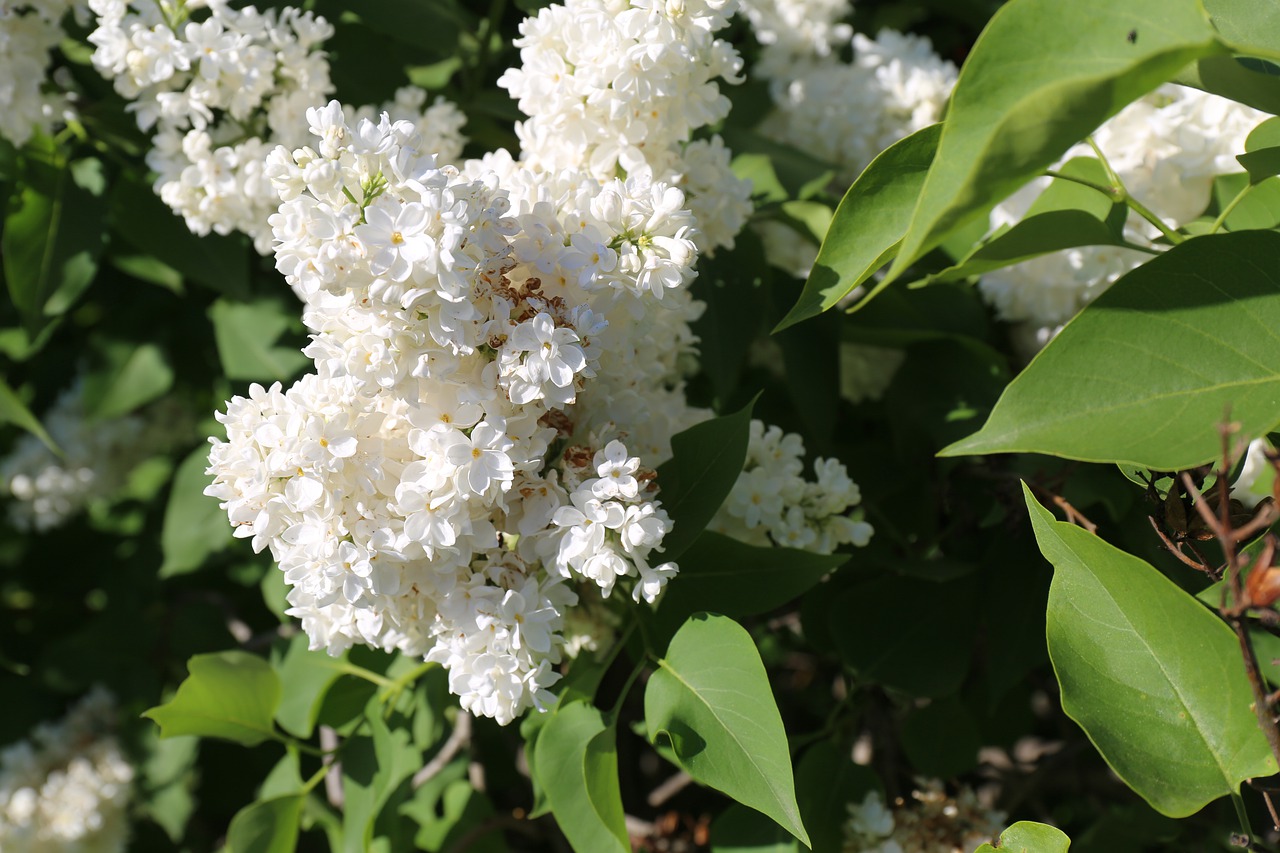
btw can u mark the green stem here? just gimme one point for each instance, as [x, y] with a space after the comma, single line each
[395, 688]
[626, 688]
[484, 36]
[1137, 207]
[1238, 802]
[1122, 194]
[300, 745]
[1110, 192]
[1231, 205]
[308, 785]
[348, 668]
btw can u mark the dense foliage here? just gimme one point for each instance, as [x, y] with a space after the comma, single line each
[762, 425]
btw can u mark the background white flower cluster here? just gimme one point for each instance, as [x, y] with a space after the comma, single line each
[28, 32]
[1166, 147]
[65, 789]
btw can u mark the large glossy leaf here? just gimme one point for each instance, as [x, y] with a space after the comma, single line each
[375, 771]
[1013, 113]
[706, 461]
[868, 225]
[231, 695]
[1142, 375]
[1250, 81]
[710, 698]
[246, 334]
[738, 580]
[269, 826]
[827, 781]
[577, 768]
[1247, 24]
[14, 411]
[127, 376]
[305, 677]
[52, 239]
[1028, 837]
[194, 526]
[1153, 678]
[220, 263]
[1262, 150]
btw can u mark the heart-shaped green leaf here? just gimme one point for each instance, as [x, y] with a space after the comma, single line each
[711, 699]
[231, 695]
[1153, 678]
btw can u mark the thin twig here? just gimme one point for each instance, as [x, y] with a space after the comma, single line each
[458, 738]
[669, 788]
[333, 778]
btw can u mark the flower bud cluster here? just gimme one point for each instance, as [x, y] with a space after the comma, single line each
[218, 94]
[29, 30]
[45, 489]
[1167, 148]
[408, 489]
[772, 503]
[66, 788]
[792, 31]
[930, 822]
[614, 88]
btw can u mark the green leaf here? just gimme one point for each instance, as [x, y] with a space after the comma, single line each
[578, 770]
[1013, 114]
[231, 695]
[215, 261]
[706, 461]
[868, 225]
[941, 739]
[1262, 151]
[1152, 677]
[1247, 24]
[1252, 82]
[827, 781]
[375, 769]
[710, 697]
[1258, 210]
[270, 826]
[13, 411]
[1194, 330]
[1028, 837]
[246, 333]
[305, 678]
[194, 527]
[52, 239]
[739, 580]
[776, 170]
[928, 655]
[1064, 216]
[739, 829]
[129, 376]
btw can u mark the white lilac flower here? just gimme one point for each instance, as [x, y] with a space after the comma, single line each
[66, 788]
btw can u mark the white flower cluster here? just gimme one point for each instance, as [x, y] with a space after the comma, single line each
[28, 31]
[45, 489]
[618, 89]
[220, 93]
[845, 113]
[933, 823]
[407, 488]
[772, 503]
[1167, 148]
[66, 788]
[794, 31]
